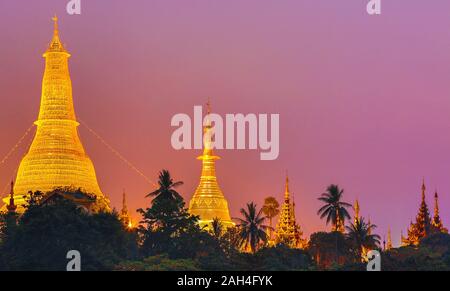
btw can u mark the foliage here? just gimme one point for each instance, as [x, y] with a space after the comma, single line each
[334, 209]
[283, 258]
[158, 263]
[328, 248]
[166, 190]
[45, 233]
[361, 237]
[168, 228]
[216, 228]
[432, 254]
[252, 229]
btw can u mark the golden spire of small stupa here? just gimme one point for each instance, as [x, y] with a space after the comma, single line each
[55, 44]
[55, 25]
[124, 202]
[11, 206]
[286, 188]
[124, 214]
[356, 208]
[423, 190]
[389, 240]
[437, 222]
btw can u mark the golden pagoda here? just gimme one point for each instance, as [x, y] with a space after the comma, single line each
[436, 221]
[11, 206]
[208, 201]
[125, 216]
[389, 240]
[56, 158]
[422, 226]
[357, 217]
[287, 230]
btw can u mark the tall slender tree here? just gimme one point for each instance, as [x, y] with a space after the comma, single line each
[334, 209]
[252, 228]
[271, 209]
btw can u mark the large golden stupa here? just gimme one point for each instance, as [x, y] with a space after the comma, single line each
[208, 201]
[56, 157]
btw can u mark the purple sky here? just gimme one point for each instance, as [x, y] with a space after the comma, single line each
[364, 101]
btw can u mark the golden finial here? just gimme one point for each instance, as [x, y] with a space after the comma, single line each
[207, 126]
[286, 191]
[55, 24]
[389, 240]
[124, 200]
[369, 226]
[356, 208]
[11, 206]
[208, 106]
[423, 189]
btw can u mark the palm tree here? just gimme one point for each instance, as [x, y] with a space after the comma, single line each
[166, 190]
[252, 229]
[359, 233]
[271, 209]
[334, 209]
[216, 228]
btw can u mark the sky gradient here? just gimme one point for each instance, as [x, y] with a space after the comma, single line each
[364, 101]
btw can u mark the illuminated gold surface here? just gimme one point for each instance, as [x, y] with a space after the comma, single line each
[424, 224]
[56, 157]
[287, 230]
[208, 201]
[125, 216]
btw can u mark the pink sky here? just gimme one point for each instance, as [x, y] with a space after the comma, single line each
[364, 101]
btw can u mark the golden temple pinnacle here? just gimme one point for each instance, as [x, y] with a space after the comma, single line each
[56, 157]
[357, 218]
[287, 231]
[208, 201]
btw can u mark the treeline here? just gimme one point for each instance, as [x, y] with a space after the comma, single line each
[169, 238]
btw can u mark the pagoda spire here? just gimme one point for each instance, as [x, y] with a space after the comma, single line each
[208, 201]
[11, 206]
[423, 224]
[423, 190]
[356, 208]
[389, 240]
[55, 44]
[287, 230]
[124, 202]
[55, 26]
[124, 214]
[286, 188]
[437, 222]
